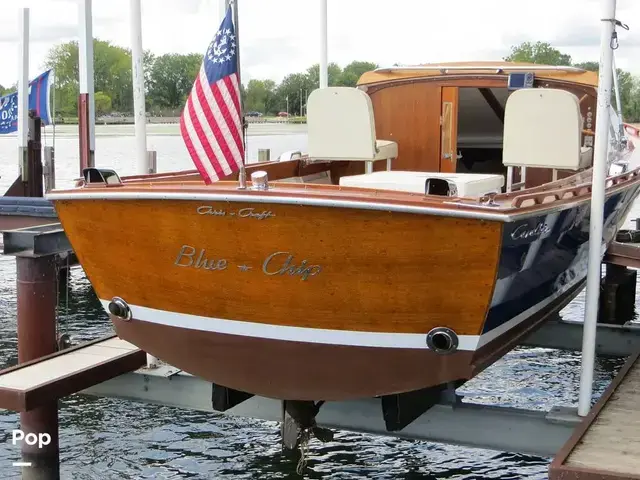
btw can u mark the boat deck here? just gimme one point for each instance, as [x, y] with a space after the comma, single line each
[606, 445]
[32, 384]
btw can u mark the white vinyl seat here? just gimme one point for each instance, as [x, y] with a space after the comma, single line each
[543, 128]
[341, 126]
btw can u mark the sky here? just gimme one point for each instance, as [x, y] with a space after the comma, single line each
[278, 37]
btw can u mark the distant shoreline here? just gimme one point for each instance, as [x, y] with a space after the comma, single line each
[129, 120]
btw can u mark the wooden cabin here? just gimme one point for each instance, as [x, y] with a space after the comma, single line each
[450, 117]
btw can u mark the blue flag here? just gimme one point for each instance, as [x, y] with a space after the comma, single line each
[39, 92]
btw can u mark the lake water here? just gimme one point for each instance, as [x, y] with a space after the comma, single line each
[115, 439]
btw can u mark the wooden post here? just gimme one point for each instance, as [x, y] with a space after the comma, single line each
[264, 155]
[49, 169]
[36, 278]
[33, 186]
[618, 295]
[86, 104]
[152, 161]
[86, 154]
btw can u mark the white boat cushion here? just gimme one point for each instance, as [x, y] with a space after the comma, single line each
[467, 184]
[341, 126]
[543, 128]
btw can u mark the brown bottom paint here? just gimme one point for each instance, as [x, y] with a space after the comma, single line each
[312, 371]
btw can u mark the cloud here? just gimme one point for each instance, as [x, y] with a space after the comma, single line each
[278, 37]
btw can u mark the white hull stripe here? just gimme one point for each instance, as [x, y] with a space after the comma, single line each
[320, 335]
[287, 333]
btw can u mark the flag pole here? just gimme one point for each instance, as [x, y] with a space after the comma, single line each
[23, 91]
[601, 144]
[242, 175]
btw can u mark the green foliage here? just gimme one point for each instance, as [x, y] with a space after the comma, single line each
[169, 79]
[539, 52]
[112, 74]
[260, 96]
[544, 53]
[103, 103]
[352, 72]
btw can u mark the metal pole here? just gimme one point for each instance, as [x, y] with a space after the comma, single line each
[36, 288]
[324, 69]
[137, 69]
[242, 174]
[597, 207]
[23, 91]
[86, 103]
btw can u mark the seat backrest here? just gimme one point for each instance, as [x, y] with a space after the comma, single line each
[542, 128]
[340, 124]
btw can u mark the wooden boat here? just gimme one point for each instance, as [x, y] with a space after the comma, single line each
[368, 267]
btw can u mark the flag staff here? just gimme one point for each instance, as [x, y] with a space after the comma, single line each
[601, 145]
[242, 174]
[23, 91]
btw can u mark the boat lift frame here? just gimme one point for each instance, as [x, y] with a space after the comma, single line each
[452, 421]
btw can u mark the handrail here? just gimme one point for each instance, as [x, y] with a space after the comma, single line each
[541, 197]
[497, 68]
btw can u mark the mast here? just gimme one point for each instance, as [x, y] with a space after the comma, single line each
[600, 165]
[23, 91]
[137, 70]
[242, 175]
[324, 69]
[86, 101]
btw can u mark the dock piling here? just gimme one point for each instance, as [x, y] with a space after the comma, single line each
[49, 169]
[152, 161]
[264, 155]
[36, 288]
[618, 292]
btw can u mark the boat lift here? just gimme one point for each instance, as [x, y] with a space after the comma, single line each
[114, 368]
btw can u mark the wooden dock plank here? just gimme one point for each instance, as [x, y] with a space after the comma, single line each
[34, 383]
[612, 442]
[606, 445]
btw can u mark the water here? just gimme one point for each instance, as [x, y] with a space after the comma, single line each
[116, 439]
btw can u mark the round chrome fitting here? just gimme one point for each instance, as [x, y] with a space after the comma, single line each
[259, 180]
[119, 308]
[442, 340]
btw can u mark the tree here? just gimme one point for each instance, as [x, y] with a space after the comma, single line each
[112, 74]
[260, 96]
[171, 79]
[295, 87]
[352, 73]
[333, 70]
[629, 90]
[539, 52]
[102, 103]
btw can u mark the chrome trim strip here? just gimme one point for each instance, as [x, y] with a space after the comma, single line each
[257, 198]
[494, 213]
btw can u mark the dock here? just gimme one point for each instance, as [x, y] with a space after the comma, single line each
[606, 444]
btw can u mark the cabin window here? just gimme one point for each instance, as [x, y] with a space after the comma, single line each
[480, 130]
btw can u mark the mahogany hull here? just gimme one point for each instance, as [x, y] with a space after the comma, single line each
[323, 302]
[350, 303]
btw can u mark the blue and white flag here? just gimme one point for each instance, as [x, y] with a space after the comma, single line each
[39, 100]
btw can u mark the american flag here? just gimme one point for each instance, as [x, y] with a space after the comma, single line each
[211, 123]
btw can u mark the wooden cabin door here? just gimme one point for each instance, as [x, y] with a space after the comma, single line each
[449, 130]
